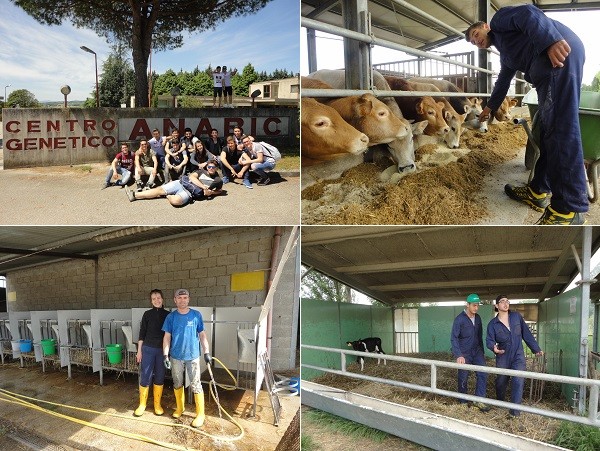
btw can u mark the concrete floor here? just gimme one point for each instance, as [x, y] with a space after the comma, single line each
[24, 428]
[505, 211]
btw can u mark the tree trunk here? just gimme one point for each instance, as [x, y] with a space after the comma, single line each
[143, 24]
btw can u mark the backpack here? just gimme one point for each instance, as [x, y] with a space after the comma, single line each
[271, 150]
[196, 192]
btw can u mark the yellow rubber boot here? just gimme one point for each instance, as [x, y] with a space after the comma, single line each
[180, 401]
[143, 400]
[158, 410]
[199, 420]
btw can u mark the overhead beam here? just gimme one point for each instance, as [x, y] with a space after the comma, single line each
[462, 283]
[572, 236]
[456, 298]
[330, 235]
[569, 6]
[323, 7]
[516, 257]
[33, 253]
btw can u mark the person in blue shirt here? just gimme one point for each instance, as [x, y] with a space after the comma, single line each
[184, 332]
[149, 354]
[467, 347]
[551, 57]
[505, 335]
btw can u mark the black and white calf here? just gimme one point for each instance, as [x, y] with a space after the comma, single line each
[371, 344]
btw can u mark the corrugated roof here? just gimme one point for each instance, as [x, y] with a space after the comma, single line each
[394, 22]
[403, 264]
[23, 246]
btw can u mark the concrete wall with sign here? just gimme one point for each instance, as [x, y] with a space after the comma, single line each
[62, 136]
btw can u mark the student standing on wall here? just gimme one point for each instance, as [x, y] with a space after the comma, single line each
[505, 335]
[467, 347]
[184, 332]
[149, 354]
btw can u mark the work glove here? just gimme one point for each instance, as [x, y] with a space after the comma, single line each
[167, 363]
[208, 358]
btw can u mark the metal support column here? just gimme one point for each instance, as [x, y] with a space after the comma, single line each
[585, 312]
[483, 80]
[311, 46]
[357, 55]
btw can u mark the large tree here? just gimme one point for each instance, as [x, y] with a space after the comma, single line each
[141, 25]
[22, 98]
[117, 82]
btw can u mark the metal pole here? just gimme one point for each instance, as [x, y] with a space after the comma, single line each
[585, 309]
[5, 98]
[357, 54]
[97, 92]
[311, 46]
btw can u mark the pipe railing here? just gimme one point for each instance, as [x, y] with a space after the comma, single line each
[372, 40]
[594, 385]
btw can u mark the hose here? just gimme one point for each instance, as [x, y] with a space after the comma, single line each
[18, 399]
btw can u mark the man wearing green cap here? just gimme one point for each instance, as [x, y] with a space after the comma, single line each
[467, 347]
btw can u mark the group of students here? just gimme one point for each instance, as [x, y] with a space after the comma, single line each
[171, 341]
[188, 166]
[505, 335]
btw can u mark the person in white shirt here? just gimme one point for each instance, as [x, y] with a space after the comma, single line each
[227, 89]
[217, 86]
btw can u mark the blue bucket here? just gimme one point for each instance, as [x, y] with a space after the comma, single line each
[25, 345]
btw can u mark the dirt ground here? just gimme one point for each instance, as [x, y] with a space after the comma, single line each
[451, 186]
[529, 425]
[64, 195]
[22, 428]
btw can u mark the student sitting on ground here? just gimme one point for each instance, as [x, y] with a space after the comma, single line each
[122, 165]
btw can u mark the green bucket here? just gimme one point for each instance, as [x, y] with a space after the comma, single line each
[114, 353]
[49, 347]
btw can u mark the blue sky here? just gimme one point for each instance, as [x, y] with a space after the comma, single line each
[42, 58]
[585, 23]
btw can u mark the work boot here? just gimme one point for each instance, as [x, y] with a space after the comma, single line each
[526, 195]
[552, 217]
[199, 420]
[158, 410]
[481, 406]
[180, 401]
[143, 400]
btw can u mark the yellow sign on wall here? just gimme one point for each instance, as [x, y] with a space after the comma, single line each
[248, 281]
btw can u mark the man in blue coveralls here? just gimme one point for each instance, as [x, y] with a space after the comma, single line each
[505, 335]
[467, 347]
[184, 332]
[552, 57]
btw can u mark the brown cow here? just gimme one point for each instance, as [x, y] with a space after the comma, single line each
[325, 135]
[313, 83]
[502, 114]
[460, 104]
[420, 108]
[400, 149]
[371, 116]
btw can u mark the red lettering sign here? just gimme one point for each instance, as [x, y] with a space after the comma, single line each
[13, 144]
[204, 127]
[53, 126]
[9, 127]
[140, 128]
[33, 126]
[268, 130]
[89, 124]
[231, 123]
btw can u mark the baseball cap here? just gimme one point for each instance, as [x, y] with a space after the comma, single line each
[182, 292]
[472, 298]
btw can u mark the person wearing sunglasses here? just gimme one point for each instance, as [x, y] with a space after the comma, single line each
[203, 183]
[505, 335]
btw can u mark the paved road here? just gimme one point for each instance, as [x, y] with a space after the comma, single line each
[72, 196]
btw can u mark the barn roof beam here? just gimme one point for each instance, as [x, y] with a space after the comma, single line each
[446, 284]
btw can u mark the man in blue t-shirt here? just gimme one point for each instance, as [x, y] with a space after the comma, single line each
[184, 331]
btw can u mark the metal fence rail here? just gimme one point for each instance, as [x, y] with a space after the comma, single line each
[591, 419]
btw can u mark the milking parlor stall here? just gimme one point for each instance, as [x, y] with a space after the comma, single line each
[75, 297]
[438, 164]
[421, 278]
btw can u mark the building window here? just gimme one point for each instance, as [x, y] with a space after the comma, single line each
[266, 91]
[294, 89]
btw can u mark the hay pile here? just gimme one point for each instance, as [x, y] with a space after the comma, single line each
[528, 425]
[442, 191]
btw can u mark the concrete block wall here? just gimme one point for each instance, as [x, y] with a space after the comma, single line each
[202, 263]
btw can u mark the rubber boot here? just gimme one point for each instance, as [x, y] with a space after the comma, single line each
[199, 420]
[158, 410]
[143, 400]
[180, 401]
